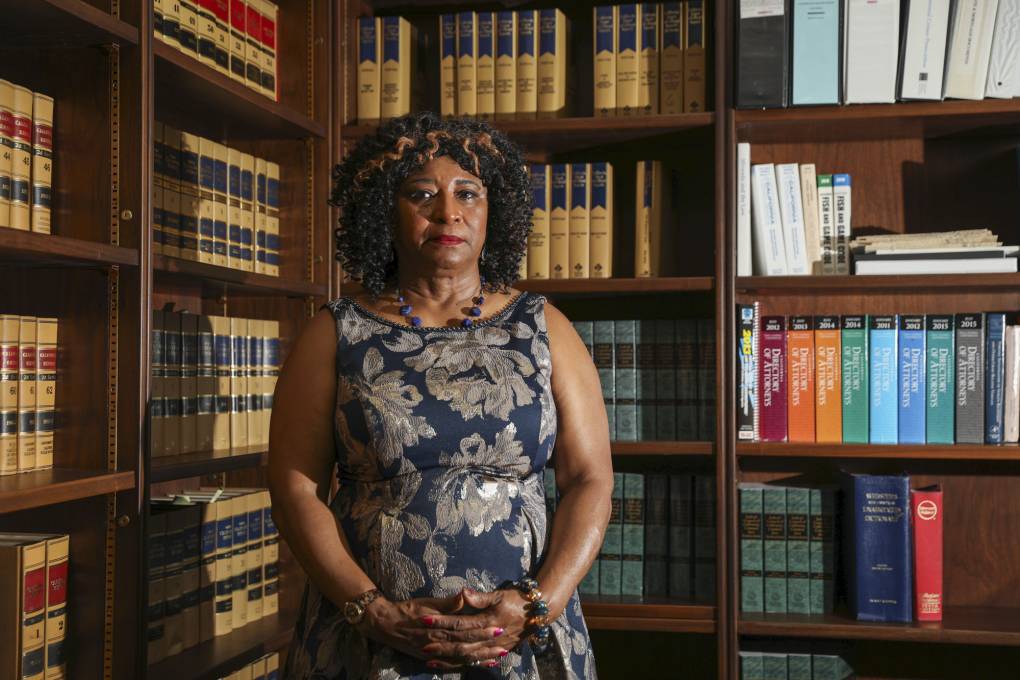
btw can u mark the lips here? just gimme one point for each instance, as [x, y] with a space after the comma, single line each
[448, 240]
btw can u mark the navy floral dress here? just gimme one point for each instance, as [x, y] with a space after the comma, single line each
[442, 438]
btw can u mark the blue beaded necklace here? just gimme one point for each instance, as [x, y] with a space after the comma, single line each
[407, 311]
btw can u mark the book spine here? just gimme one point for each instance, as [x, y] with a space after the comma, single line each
[527, 63]
[271, 365]
[212, 208]
[253, 371]
[828, 381]
[826, 224]
[774, 666]
[681, 536]
[238, 382]
[157, 402]
[234, 210]
[747, 373]
[485, 96]
[538, 238]
[46, 391]
[752, 565]
[656, 535]
[552, 63]
[559, 221]
[272, 664]
[970, 379]
[816, 52]
[772, 379]
[854, 343]
[172, 383]
[792, 213]
[467, 48]
[158, 183]
[665, 380]
[770, 257]
[221, 420]
[703, 580]
[643, 219]
[809, 197]
[706, 380]
[160, 20]
[175, 154]
[206, 34]
[632, 565]
[57, 554]
[6, 146]
[506, 64]
[223, 603]
[156, 601]
[447, 69]
[605, 361]
[671, 66]
[27, 372]
[261, 221]
[173, 633]
[774, 547]
[42, 162]
[842, 223]
[207, 572]
[923, 52]
[195, 210]
[912, 390]
[1005, 50]
[798, 550]
[270, 16]
[752, 666]
[822, 550]
[189, 383]
[625, 376]
[604, 39]
[883, 408]
[648, 59]
[191, 577]
[1011, 387]
[879, 548]
[254, 557]
[188, 27]
[253, 45]
[798, 666]
[248, 212]
[800, 343]
[9, 361]
[926, 506]
[745, 257]
[646, 377]
[238, 13]
[239, 563]
[695, 56]
[601, 221]
[270, 554]
[221, 11]
[685, 361]
[627, 39]
[579, 221]
[21, 159]
[995, 342]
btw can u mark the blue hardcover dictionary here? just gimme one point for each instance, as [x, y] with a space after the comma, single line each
[995, 354]
[877, 553]
[882, 410]
[817, 46]
[912, 380]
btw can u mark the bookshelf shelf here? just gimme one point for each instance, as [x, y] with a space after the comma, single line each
[205, 463]
[663, 448]
[571, 134]
[220, 656]
[60, 23]
[907, 284]
[968, 452]
[647, 614]
[226, 279]
[960, 625]
[182, 83]
[25, 247]
[585, 287]
[58, 485]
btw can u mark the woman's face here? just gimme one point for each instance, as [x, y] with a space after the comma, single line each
[442, 211]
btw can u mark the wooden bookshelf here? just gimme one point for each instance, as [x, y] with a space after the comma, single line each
[29, 248]
[902, 285]
[61, 23]
[201, 463]
[58, 485]
[232, 281]
[950, 452]
[647, 614]
[588, 287]
[663, 448]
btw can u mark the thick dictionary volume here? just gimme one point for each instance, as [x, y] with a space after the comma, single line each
[206, 33]
[559, 221]
[681, 535]
[695, 38]
[627, 38]
[798, 557]
[763, 50]
[42, 162]
[940, 381]
[883, 414]
[774, 547]
[912, 390]
[6, 146]
[747, 372]
[552, 63]
[10, 325]
[485, 65]
[878, 542]
[926, 514]
[970, 379]
[467, 47]
[632, 568]
[656, 535]
[603, 355]
[995, 345]
[828, 381]
[188, 28]
[369, 58]
[506, 64]
[21, 158]
[605, 60]
[648, 60]
[236, 39]
[397, 67]
[800, 342]
[854, 345]
[601, 221]
[23, 570]
[772, 379]
[527, 63]
[46, 391]
[579, 222]
[538, 239]
[671, 63]
[27, 369]
[752, 588]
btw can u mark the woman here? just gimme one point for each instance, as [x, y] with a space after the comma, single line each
[441, 393]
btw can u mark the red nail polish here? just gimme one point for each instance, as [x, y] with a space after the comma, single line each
[503, 653]
[496, 632]
[427, 620]
[492, 664]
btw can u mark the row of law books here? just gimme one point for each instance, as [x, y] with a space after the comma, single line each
[800, 665]
[890, 567]
[891, 379]
[235, 37]
[387, 49]
[263, 668]
[214, 204]
[650, 58]
[33, 602]
[26, 158]
[808, 52]
[660, 540]
[213, 379]
[657, 376]
[213, 558]
[28, 392]
[791, 220]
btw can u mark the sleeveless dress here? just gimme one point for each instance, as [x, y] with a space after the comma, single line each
[442, 436]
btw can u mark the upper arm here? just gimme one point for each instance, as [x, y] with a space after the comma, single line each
[582, 439]
[301, 452]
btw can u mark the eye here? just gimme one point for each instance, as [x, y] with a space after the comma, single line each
[467, 195]
[419, 195]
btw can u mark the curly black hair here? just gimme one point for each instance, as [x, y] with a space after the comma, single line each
[365, 188]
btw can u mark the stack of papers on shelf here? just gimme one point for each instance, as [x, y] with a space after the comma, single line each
[970, 251]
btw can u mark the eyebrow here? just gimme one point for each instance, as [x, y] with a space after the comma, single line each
[431, 180]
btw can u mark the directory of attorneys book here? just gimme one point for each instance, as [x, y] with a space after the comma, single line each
[940, 383]
[883, 412]
[970, 379]
[912, 376]
[854, 345]
[995, 345]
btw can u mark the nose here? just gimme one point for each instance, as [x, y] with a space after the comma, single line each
[445, 209]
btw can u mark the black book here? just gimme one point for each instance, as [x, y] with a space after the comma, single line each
[763, 56]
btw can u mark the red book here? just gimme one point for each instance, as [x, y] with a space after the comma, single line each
[926, 510]
[772, 379]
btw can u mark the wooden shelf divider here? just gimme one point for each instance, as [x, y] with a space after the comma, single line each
[167, 468]
[26, 247]
[40, 488]
[647, 614]
[582, 287]
[234, 279]
[60, 23]
[663, 448]
[966, 452]
[899, 284]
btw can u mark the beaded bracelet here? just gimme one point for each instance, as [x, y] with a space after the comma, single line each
[538, 614]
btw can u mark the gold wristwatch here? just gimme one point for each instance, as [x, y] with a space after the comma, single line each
[354, 610]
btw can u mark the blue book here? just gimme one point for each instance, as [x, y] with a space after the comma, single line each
[877, 554]
[912, 380]
[995, 366]
[940, 381]
[816, 51]
[882, 411]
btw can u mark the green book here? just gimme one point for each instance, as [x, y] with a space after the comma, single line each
[632, 558]
[940, 366]
[706, 379]
[798, 559]
[602, 349]
[657, 535]
[586, 331]
[612, 544]
[774, 666]
[685, 362]
[822, 549]
[854, 341]
[704, 538]
[829, 667]
[645, 386]
[798, 666]
[774, 520]
[752, 666]
[681, 509]
[752, 597]
[665, 381]
[626, 381]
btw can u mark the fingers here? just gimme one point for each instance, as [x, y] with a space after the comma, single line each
[486, 634]
[462, 622]
[457, 654]
[481, 600]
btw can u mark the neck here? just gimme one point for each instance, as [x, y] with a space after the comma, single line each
[440, 291]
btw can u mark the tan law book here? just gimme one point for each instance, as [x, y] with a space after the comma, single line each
[467, 71]
[485, 65]
[695, 56]
[191, 587]
[271, 246]
[270, 369]
[221, 419]
[157, 399]
[559, 221]
[255, 506]
[27, 392]
[253, 373]
[397, 70]
[812, 234]
[627, 46]
[538, 239]
[6, 150]
[195, 229]
[369, 61]
[206, 32]
[189, 383]
[269, 21]
[221, 13]
[188, 31]
[223, 621]
[601, 221]
[270, 558]
[579, 221]
[671, 63]
[237, 45]
[171, 383]
[553, 58]
[604, 40]
[527, 63]
[258, 669]
[42, 163]
[175, 153]
[21, 159]
[506, 64]
[234, 210]
[253, 44]
[447, 65]
[57, 556]
[250, 224]
[261, 213]
[23, 606]
[222, 243]
[10, 326]
[46, 390]
[648, 59]
[238, 383]
[648, 219]
[206, 385]
[272, 664]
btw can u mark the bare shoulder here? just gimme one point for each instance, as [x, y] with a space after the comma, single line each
[559, 326]
[317, 340]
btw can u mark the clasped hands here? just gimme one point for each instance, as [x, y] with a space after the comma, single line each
[466, 629]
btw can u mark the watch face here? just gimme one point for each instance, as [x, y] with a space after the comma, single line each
[353, 612]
